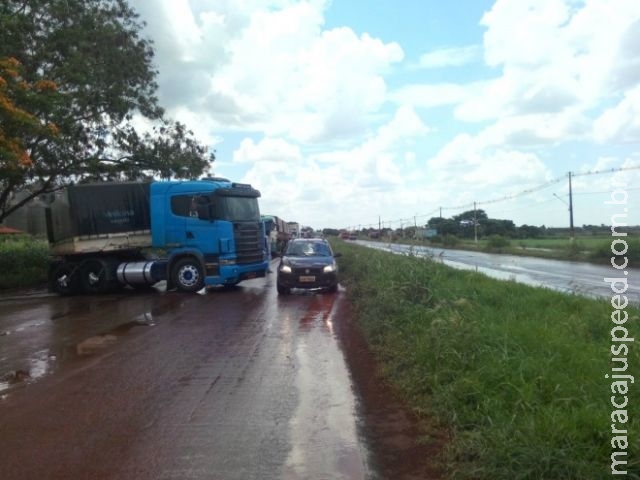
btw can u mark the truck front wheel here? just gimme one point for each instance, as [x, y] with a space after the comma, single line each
[187, 275]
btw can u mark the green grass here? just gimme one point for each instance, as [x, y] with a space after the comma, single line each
[514, 374]
[23, 262]
[588, 242]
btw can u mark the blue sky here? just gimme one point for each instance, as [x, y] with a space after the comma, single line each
[342, 113]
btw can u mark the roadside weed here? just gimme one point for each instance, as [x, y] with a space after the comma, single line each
[515, 373]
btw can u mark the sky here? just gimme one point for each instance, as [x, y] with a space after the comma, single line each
[360, 113]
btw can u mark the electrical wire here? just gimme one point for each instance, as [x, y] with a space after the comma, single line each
[529, 191]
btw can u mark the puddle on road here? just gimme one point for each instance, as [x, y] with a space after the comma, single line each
[44, 361]
[38, 366]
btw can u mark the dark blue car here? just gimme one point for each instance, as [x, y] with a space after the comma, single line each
[308, 263]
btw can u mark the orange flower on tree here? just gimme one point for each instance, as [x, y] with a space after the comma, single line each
[18, 125]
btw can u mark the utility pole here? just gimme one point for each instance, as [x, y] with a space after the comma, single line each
[570, 205]
[571, 209]
[475, 224]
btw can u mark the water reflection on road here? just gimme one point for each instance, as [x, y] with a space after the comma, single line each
[38, 334]
[569, 277]
[324, 418]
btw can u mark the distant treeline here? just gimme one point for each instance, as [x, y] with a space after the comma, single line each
[471, 223]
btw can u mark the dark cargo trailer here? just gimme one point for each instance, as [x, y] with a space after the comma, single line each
[101, 216]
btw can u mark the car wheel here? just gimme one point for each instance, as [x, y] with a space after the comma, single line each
[333, 288]
[283, 290]
[187, 275]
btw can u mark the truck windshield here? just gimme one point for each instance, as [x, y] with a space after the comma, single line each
[238, 209]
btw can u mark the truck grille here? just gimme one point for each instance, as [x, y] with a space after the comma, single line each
[249, 242]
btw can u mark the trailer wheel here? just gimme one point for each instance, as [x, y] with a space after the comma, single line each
[65, 279]
[96, 276]
[187, 275]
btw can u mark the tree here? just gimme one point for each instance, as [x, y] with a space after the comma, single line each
[444, 226]
[92, 53]
[17, 123]
[469, 216]
[529, 231]
[494, 226]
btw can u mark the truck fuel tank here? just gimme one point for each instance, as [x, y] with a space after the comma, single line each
[142, 273]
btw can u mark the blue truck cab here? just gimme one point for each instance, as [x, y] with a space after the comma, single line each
[215, 222]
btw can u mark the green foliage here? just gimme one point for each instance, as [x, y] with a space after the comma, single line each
[497, 242]
[471, 215]
[450, 240]
[574, 249]
[103, 71]
[445, 226]
[23, 262]
[514, 373]
[602, 251]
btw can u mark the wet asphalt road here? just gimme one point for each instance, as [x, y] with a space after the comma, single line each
[565, 276]
[233, 384]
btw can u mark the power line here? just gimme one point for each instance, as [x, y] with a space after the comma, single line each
[529, 191]
[627, 189]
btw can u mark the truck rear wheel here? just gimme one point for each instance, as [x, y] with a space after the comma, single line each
[65, 279]
[97, 276]
[187, 275]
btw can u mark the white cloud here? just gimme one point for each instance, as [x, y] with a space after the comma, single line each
[561, 62]
[435, 95]
[621, 123]
[476, 163]
[557, 45]
[450, 57]
[267, 150]
[347, 182]
[269, 66]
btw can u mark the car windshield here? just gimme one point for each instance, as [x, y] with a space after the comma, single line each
[308, 249]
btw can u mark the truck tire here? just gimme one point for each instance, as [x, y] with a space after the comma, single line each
[187, 275]
[65, 279]
[97, 276]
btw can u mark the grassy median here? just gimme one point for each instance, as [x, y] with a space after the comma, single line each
[514, 374]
